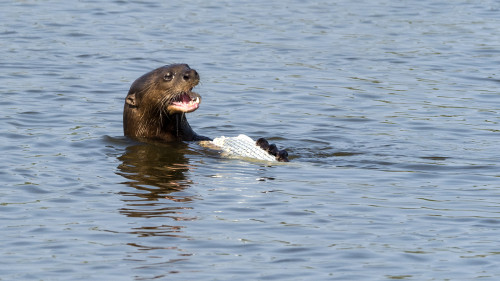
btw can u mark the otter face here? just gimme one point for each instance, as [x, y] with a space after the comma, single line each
[166, 89]
[177, 84]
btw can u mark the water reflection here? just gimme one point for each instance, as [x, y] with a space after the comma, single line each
[155, 171]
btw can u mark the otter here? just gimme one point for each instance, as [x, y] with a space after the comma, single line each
[156, 106]
[157, 103]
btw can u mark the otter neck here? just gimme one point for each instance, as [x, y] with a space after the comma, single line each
[174, 127]
[174, 123]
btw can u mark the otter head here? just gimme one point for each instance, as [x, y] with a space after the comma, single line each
[156, 102]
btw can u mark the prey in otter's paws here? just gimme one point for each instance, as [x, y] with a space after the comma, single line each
[157, 103]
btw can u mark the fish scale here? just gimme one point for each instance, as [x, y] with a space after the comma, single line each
[242, 146]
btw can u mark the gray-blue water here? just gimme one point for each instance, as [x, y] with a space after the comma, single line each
[390, 111]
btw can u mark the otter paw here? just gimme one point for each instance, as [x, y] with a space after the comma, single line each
[262, 143]
[272, 149]
[282, 156]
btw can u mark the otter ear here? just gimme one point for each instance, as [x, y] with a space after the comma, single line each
[130, 100]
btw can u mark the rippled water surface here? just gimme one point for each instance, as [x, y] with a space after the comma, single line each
[389, 110]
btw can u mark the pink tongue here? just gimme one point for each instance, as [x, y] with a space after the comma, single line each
[185, 98]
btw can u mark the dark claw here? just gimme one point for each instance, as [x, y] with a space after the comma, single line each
[262, 142]
[273, 150]
[282, 156]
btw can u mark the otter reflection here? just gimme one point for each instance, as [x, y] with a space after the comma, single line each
[155, 171]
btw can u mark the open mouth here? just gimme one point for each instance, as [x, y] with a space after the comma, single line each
[184, 102]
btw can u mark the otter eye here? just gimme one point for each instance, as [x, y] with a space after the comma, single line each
[168, 76]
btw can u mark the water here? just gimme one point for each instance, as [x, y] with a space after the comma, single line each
[389, 110]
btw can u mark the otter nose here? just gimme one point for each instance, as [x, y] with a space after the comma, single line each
[191, 75]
